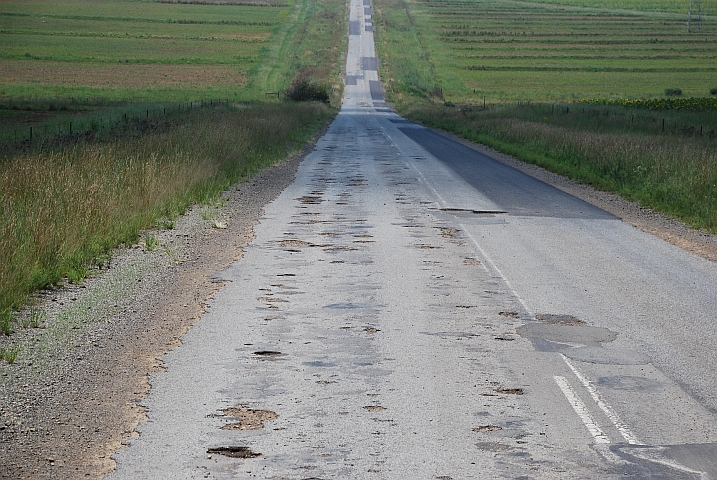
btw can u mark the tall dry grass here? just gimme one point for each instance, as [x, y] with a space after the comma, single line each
[62, 209]
[670, 173]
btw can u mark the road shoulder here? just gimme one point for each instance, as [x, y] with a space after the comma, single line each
[65, 410]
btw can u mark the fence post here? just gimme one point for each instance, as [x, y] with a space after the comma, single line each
[70, 128]
[30, 135]
[663, 125]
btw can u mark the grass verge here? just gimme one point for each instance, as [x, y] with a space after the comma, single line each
[672, 173]
[65, 208]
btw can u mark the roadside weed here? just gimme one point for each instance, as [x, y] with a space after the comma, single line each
[167, 224]
[6, 321]
[9, 354]
[151, 242]
[34, 317]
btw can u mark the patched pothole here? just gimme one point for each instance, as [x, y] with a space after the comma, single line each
[493, 447]
[565, 335]
[248, 419]
[234, 452]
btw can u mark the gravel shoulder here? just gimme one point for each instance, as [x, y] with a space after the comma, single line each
[73, 395]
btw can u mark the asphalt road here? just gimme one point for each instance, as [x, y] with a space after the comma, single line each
[410, 308]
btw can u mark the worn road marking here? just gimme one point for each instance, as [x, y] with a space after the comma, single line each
[604, 406]
[582, 411]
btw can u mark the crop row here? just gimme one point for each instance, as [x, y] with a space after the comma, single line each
[690, 103]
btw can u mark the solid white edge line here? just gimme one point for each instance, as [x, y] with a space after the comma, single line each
[581, 410]
[607, 409]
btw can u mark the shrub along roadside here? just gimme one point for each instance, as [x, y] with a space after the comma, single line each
[62, 210]
[672, 174]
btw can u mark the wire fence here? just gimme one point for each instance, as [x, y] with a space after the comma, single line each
[76, 126]
[642, 119]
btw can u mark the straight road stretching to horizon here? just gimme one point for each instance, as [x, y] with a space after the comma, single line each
[412, 309]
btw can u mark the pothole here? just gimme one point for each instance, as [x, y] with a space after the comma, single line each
[374, 408]
[371, 330]
[476, 212]
[471, 261]
[294, 243]
[248, 419]
[569, 320]
[509, 391]
[340, 249]
[266, 353]
[310, 200]
[487, 428]
[449, 232]
[424, 246]
[272, 299]
[234, 452]
[509, 314]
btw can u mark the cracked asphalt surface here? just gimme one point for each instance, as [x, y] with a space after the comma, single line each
[406, 308]
[410, 308]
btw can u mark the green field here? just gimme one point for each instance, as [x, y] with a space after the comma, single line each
[145, 51]
[508, 51]
[118, 114]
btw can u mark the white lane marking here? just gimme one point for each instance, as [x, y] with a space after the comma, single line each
[601, 440]
[496, 271]
[604, 406]
[581, 410]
